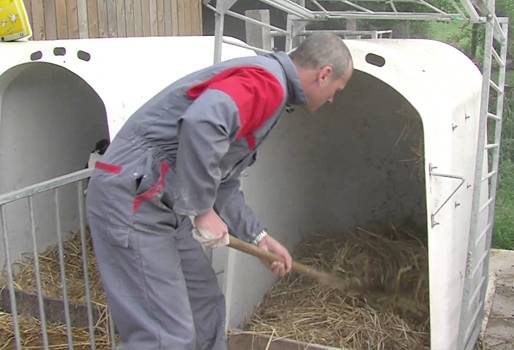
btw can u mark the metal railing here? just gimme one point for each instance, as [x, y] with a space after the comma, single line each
[77, 179]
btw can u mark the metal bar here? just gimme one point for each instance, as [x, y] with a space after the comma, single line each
[492, 145]
[496, 87]
[44, 186]
[291, 8]
[470, 9]
[472, 339]
[497, 139]
[499, 33]
[10, 282]
[258, 49]
[276, 34]
[500, 62]
[492, 189]
[63, 271]
[493, 116]
[489, 201]
[379, 1]
[484, 232]
[291, 27]
[431, 7]
[346, 32]
[502, 21]
[476, 292]
[111, 329]
[454, 191]
[318, 5]
[386, 15]
[42, 317]
[489, 175]
[80, 190]
[456, 7]
[219, 19]
[473, 320]
[358, 7]
[467, 322]
[393, 7]
[479, 162]
[479, 263]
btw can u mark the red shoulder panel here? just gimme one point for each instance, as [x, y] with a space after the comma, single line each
[255, 91]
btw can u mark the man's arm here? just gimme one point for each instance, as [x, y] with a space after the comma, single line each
[240, 218]
[243, 222]
[205, 133]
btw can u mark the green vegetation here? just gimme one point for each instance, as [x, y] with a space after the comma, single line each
[504, 222]
[503, 236]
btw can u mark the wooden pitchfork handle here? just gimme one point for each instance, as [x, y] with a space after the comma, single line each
[322, 277]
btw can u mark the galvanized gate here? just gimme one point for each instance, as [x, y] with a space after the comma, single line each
[49, 310]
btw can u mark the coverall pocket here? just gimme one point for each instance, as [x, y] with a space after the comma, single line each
[118, 236]
[144, 176]
[123, 273]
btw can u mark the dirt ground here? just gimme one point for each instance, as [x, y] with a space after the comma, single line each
[498, 333]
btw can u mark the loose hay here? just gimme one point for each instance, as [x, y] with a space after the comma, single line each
[50, 273]
[30, 333]
[393, 314]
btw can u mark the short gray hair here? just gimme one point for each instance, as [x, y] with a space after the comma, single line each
[322, 49]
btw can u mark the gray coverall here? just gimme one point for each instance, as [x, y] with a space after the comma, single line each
[179, 155]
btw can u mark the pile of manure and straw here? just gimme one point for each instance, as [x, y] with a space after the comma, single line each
[392, 312]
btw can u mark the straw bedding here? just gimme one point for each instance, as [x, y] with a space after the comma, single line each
[30, 332]
[24, 280]
[392, 313]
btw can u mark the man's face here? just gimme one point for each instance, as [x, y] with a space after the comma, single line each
[325, 87]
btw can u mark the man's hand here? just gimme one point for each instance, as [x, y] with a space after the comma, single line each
[279, 268]
[210, 230]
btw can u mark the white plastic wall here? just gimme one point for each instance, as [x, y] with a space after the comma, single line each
[50, 120]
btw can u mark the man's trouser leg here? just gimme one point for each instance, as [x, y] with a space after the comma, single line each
[206, 299]
[160, 286]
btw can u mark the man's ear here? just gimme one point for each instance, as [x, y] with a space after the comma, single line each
[325, 74]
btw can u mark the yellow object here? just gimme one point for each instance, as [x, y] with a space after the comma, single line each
[14, 23]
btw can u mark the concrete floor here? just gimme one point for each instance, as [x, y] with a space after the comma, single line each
[498, 330]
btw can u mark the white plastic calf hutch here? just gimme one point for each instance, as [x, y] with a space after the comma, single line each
[349, 164]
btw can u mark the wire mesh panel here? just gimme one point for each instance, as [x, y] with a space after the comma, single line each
[52, 295]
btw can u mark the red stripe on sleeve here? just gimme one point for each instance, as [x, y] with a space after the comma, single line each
[255, 91]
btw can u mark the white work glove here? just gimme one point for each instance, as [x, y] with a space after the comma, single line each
[208, 239]
[210, 230]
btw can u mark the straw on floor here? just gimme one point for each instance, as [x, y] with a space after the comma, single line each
[392, 314]
[24, 280]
